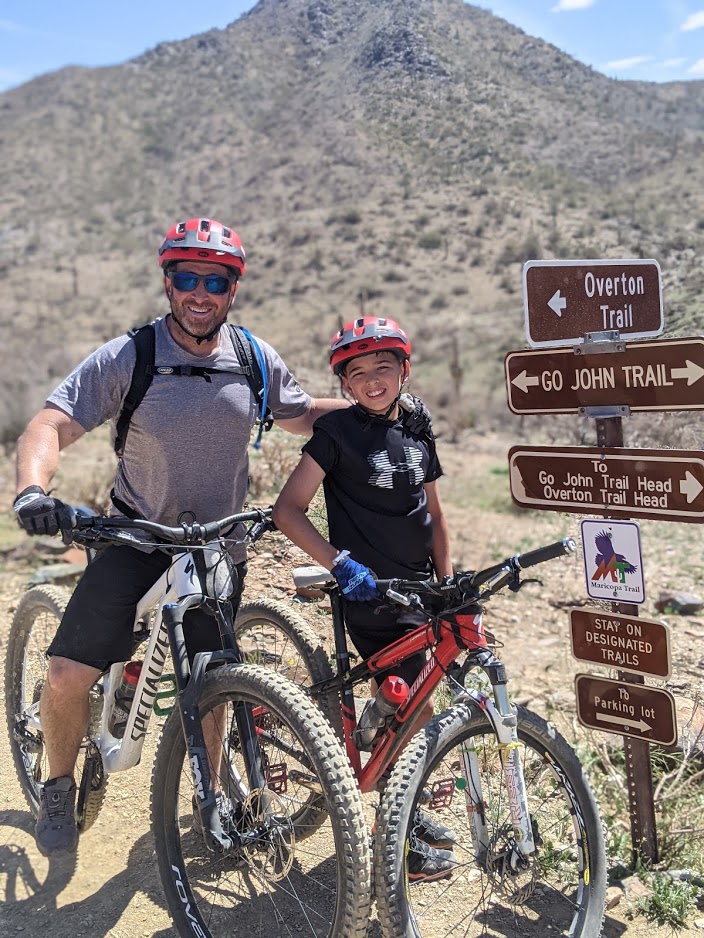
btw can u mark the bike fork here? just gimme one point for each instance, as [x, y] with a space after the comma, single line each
[504, 723]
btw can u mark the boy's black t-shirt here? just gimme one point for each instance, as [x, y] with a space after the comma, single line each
[376, 504]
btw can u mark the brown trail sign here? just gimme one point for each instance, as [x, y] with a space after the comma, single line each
[657, 375]
[620, 641]
[621, 483]
[565, 299]
[646, 713]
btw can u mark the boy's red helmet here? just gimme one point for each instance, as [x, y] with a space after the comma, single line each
[203, 239]
[362, 336]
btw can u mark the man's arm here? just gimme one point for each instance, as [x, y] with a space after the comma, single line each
[50, 431]
[303, 425]
[290, 511]
[440, 549]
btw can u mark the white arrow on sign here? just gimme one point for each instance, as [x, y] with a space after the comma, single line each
[622, 721]
[692, 372]
[557, 303]
[525, 381]
[690, 487]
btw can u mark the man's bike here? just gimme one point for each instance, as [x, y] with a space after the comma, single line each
[530, 856]
[257, 819]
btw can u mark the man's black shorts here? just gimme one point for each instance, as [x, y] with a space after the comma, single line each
[372, 626]
[97, 625]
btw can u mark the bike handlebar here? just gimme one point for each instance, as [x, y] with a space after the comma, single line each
[469, 585]
[185, 534]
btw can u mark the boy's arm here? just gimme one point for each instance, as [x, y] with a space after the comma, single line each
[440, 549]
[290, 511]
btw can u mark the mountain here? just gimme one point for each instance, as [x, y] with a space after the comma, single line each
[403, 157]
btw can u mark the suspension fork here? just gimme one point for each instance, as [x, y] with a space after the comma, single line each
[504, 722]
[189, 686]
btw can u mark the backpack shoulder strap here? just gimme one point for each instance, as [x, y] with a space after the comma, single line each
[145, 346]
[253, 363]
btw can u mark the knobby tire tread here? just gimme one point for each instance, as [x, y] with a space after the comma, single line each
[342, 797]
[389, 865]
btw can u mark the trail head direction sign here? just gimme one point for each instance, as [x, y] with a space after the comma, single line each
[563, 300]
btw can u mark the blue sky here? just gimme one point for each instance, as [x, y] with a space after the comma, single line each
[647, 40]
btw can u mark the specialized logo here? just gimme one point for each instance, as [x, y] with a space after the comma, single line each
[384, 469]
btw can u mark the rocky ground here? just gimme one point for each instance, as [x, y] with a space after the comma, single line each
[113, 888]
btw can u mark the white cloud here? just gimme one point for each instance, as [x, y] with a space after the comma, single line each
[572, 5]
[620, 65]
[697, 68]
[673, 63]
[7, 26]
[693, 21]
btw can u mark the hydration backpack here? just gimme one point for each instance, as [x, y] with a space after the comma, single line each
[249, 354]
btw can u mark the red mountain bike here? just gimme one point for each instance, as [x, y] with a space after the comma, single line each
[530, 857]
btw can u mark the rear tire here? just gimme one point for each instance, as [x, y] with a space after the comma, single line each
[562, 889]
[34, 625]
[273, 885]
[271, 634]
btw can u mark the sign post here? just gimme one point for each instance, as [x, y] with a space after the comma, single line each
[565, 299]
[641, 646]
[626, 708]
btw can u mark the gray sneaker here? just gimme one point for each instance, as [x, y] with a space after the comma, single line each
[56, 830]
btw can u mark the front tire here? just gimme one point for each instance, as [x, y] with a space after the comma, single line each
[288, 879]
[562, 889]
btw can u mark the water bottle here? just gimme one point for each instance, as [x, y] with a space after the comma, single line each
[392, 693]
[124, 695]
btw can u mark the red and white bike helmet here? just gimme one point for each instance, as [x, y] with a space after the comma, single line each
[203, 239]
[362, 336]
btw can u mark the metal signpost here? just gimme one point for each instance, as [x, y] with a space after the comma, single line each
[619, 483]
[663, 374]
[580, 318]
[643, 713]
[564, 299]
[641, 646]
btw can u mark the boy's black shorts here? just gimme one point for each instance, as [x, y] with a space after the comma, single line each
[372, 626]
[97, 626]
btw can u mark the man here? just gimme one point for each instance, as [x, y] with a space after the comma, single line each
[185, 451]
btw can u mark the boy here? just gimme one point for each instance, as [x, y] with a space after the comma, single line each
[378, 469]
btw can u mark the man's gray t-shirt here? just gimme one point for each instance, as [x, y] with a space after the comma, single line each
[186, 449]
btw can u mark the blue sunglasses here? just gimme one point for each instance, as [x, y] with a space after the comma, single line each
[186, 282]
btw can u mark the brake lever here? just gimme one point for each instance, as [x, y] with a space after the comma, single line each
[517, 585]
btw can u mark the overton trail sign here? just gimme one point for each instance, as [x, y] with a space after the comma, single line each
[663, 374]
[642, 483]
[563, 300]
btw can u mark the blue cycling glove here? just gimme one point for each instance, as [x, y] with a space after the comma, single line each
[354, 579]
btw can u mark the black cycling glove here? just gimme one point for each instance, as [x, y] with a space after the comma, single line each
[38, 513]
[415, 415]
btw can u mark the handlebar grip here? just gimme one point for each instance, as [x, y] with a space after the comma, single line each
[549, 552]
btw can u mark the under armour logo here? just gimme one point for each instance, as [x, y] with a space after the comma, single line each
[383, 476]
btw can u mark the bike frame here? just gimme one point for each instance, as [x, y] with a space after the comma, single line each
[444, 647]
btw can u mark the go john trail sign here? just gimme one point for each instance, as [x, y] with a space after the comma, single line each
[663, 374]
[563, 300]
[667, 485]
